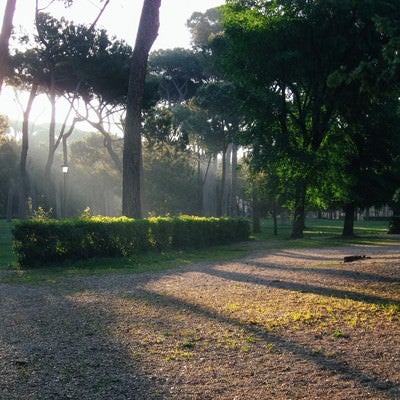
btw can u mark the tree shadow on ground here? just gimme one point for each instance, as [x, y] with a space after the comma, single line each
[382, 387]
[54, 348]
[340, 273]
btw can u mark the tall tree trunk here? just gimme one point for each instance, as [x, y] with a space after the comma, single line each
[132, 153]
[299, 211]
[275, 217]
[348, 226]
[221, 188]
[50, 196]
[10, 198]
[233, 205]
[210, 190]
[256, 213]
[23, 174]
[5, 37]
[226, 182]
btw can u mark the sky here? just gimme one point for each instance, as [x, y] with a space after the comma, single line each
[120, 19]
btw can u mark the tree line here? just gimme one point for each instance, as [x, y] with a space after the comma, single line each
[307, 91]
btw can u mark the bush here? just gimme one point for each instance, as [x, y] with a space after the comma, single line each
[49, 241]
[394, 225]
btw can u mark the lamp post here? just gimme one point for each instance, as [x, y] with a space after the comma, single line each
[64, 169]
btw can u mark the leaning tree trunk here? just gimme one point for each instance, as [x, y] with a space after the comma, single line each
[23, 174]
[49, 187]
[348, 226]
[5, 37]
[132, 153]
[299, 211]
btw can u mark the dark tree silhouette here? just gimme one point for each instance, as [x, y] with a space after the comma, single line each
[132, 156]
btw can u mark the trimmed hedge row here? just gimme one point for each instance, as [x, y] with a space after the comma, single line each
[40, 242]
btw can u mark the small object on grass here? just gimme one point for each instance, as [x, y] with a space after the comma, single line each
[354, 258]
[21, 362]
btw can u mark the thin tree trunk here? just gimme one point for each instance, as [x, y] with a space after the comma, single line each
[10, 199]
[50, 197]
[299, 212]
[132, 155]
[256, 213]
[23, 174]
[226, 182]
[5, 38]
[275, 217]
[348, 226]
[233, 204]
[221, 190]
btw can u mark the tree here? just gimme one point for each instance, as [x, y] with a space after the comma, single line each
[180, 73]
[300, 60]
[5, 37]
[132, 155]
[371, 157]
[204, 27]
[221, 107]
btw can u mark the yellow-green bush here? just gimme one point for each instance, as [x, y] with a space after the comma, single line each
[40, 242]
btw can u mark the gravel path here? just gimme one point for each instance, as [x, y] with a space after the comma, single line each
[278, 324]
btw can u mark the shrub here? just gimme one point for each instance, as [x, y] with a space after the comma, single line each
[49, 241]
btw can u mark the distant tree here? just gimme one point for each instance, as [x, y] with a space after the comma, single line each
[221, 106]
[180, 73]
[204, 27]
[171, 185]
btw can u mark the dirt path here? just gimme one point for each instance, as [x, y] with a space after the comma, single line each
[279, 324]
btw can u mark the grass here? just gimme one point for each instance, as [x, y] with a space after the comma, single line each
[322, 233]
[319, 233]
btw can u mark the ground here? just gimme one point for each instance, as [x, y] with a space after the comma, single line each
[277, 324]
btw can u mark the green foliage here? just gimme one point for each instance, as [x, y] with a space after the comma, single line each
[41, 214]
[307, 73]
[6, 255]
[204, 27]
[39, 242]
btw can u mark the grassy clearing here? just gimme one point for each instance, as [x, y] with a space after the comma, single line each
[322, 233]
[319, 233]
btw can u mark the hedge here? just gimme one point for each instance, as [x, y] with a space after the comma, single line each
[41, 242]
